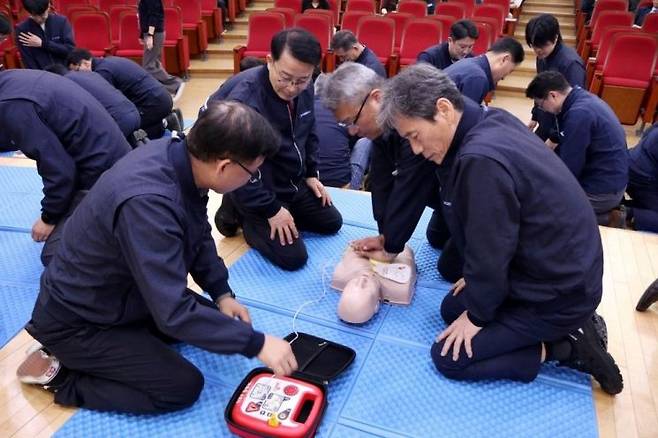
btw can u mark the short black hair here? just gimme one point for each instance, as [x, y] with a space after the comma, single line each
[301, 44]
[36, 7]
[541, 30]
[58, 69]
[508, 45]
[343, 40]
[5, 25]
[462, 29]
[250, 62]
[228, 129]
[544, 82]
[77, 56]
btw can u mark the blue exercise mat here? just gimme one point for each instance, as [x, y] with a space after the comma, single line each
[19, 210]
[356, 209]
[16, 304]
[20, 180]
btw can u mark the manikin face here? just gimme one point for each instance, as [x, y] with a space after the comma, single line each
[461, 48]
[430, 138]
[288, 76]
[544, 51]
[361, 118]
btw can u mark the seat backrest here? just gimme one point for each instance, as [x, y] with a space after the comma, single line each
[607, 19]
[414, 7]
[173, 23]
[289, 13]
[361, 5]
[493, 11]
[73, 10]
[295, 5]
[650, 24]
[262, 27]
[190, 10]
[418, 35]
[351, 19]
[324, 13]
[504, 3]
[632, 56]
[129, 31]
[208, 5]
[377, 33]
[446, 23]
[644, 4]
[451, 9]
[61, 6]
[107, 5]
[608, 35]
[401, 19]
[335, 7]
[486, 35]
[318, 25]
[607, 5]
[468, 6]
[115, 19]
[92, 30]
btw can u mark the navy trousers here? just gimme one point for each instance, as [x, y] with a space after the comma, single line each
[451, 263]
[645, 203]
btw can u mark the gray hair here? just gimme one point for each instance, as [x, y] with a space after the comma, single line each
[349, 84]
[343, 40]
[320, 83]
[414, 92]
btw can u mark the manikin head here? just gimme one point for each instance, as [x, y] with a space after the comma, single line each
[360, 299]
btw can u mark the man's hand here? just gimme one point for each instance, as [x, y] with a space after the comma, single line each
[148, 42]
[551, 145]
[532, 124]
[461, 331]
[231, 308]
[277, 354]
[29, 39]
[320, 191]
[458, 287]
[41, 231]
[283, 224]
[372, 243]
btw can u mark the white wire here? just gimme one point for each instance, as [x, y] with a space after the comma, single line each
[316, 300]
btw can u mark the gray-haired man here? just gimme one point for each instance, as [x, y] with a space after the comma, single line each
[402, 183]
[533, 261]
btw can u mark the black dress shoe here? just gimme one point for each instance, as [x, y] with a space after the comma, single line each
[649, 297]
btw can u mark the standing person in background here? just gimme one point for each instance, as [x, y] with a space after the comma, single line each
[151, 22]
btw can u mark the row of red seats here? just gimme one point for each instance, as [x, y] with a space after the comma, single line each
[379, 33]
[621, 59]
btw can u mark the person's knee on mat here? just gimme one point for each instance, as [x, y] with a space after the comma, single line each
[182, 392]
[448, 269]
[292, 262]
[449, 368]
[335, 223]
[451, 308]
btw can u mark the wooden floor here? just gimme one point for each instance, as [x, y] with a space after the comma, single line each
[631, 264]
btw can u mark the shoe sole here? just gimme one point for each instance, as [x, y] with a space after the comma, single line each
[608, 367]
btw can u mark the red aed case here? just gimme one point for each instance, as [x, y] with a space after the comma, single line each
[265, 405]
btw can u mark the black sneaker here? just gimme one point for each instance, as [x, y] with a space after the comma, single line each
[589, 357]
[601, 329]
[227, 219]
[649, 297]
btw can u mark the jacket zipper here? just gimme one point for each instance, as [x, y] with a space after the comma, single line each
[294, 143]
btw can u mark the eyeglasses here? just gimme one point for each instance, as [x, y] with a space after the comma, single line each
[358, 114]
[254, 177]
[286, 82]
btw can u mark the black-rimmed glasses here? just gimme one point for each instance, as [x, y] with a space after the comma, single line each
[254, 177]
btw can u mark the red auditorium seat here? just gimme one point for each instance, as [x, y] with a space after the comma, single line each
[401, 20]
[92, 31]
[176, 53]
[486, 36]
[351, 20]
[468, 6]
[492, 11]
[321, 27]
[361, 5]
[417, 36]
[212, 15]
[627, 74]
[650, 24]
[605, 19]
[414, 7]
[107, 5]
[324, 13]
[583, 31]
[446, 23]
[115, 20]
[288, 13]
[62, 6]
[193, 25]
[129, 44]
[73, 10]
[452, 9]
[295, 5]
[262, 27]
[378, 34]
[335, 7]
[596, 63]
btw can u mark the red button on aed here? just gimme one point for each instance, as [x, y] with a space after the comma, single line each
[290, 390]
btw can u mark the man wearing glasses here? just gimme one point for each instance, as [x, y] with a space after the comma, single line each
[286, 195]
[402, 183]
[44, 38]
